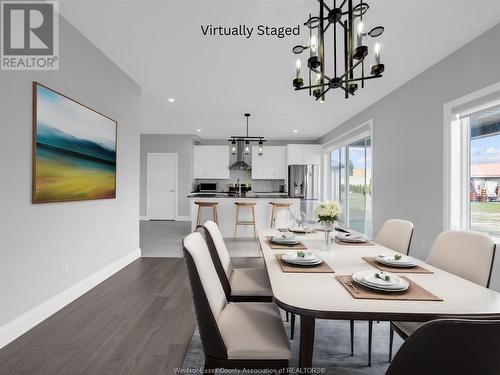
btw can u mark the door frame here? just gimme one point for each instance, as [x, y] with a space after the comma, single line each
[176, 158]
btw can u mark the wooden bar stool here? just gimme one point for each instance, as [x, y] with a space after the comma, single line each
[202, 205]
[277, 206]
[245, 222]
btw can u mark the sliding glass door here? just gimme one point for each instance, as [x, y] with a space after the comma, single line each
[351, 183]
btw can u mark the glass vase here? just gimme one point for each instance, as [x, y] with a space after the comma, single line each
[328, 227]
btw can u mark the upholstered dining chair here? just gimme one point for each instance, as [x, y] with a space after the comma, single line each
[233, 335]
[450, 346]
[239, 284]
[395, 234]
[467, 254]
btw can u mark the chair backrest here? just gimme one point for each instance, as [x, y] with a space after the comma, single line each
[208, 296]
[464, 253]
[450, 347]
[396, 234]
[220, 255]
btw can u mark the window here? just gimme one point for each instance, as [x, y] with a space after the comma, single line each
[350, 180]
[474, 170]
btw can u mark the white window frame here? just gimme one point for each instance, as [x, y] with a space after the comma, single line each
[456, 135]
[357, 133]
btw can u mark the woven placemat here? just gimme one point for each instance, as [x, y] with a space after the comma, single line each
[340, 242]
[414, 293]
[383, 267]
[287, 267]
[276, 246]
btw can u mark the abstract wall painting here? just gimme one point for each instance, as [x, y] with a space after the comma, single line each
[74, 150]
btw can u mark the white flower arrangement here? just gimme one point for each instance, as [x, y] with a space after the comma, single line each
[328, 212]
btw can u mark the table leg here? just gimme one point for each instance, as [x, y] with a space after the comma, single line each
[307, 325]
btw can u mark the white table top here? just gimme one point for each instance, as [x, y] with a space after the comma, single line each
[322, 296]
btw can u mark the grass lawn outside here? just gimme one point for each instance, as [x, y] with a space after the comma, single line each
[485, 217]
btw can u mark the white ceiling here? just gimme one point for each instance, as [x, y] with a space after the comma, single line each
[214, 80]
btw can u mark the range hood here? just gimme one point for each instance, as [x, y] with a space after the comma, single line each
[239, 164]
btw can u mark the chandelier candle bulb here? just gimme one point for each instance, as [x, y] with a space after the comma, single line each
[376, 48]
[298, 64]
[314, 45]
[359, 41]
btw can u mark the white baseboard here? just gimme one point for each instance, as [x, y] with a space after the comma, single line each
[183, 218]
[20, 325]
[143, 218]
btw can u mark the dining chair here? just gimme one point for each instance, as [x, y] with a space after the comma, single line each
[249, 284]
[395, 234]
[233, 335]
[450, 346]
[467, 254]
[240, 284]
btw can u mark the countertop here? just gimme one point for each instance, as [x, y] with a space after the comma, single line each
[230, 195]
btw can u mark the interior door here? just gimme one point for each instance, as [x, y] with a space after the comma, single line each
[162, 186]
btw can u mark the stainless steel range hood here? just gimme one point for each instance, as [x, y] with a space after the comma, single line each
[240, 164]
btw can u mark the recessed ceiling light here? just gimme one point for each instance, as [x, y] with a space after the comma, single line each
[171, 100]
[198, 130]
[295, 131]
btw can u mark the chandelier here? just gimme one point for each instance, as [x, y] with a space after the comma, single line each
[238, 141]
[350, 50]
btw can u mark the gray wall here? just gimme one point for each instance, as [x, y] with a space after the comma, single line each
[408, 138]
[183, 146]
[90, 235]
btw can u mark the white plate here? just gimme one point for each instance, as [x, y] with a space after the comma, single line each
[389, 260]
[305, 264]
[285, 241]
[310, 259]
[351, 237]
[300, 230]
[368, 279]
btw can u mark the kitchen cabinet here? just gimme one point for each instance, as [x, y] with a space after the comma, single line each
[211, 162]
[304, 154]
[271, 165]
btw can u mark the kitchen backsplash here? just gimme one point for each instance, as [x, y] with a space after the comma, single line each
[264, 186]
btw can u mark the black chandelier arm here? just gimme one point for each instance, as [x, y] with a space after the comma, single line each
[322, 74]
[361, 79]
[320, 85]
[351, 69]
[341, 5]
[323, 94]
[327, 26]
[326, 6]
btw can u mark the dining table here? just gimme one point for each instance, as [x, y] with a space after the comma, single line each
[319, 295]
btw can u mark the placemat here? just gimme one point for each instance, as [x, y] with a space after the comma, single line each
[276, 246]
[287, 267]
[414, 293]
[340, 242]
[383, 267]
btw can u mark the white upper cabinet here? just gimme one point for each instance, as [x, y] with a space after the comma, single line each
[271, 165]
[211, 162]
[304, 154]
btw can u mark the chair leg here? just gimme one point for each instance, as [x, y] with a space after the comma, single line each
[236, 221]
[253, 219]
[287, 316]
[292, 326]
[198, 217]
[391, 342]
[370, 332]
[352, 336]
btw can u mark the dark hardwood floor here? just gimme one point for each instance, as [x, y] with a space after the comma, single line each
[139, 321]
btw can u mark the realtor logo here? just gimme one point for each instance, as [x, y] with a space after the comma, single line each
[29, 35]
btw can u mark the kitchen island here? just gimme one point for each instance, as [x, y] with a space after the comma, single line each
[227, 211]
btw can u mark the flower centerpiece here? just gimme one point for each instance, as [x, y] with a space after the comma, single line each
[328, 213]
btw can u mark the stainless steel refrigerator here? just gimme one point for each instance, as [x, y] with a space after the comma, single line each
[303, 183]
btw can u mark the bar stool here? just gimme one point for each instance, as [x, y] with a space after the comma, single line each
[277, 206]
[212, 205]
[250, 205]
